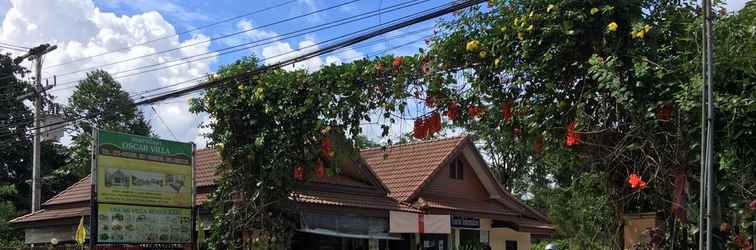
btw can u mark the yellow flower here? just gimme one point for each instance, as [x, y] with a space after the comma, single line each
[504, 29]
[549, 8]
[516, 21]
[646, 28]
[594, 11]
[497, 61]
[520, 35]
[530, 28]
[241, 87]
[483, 54]
[472, 45]
[612, 26]
[640, 34]
[531, 14]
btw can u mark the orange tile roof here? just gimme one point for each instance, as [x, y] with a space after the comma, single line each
[78, 192]
[206, 161]
[50, 214]
[489, 206]
[406, 167]
[350, 200]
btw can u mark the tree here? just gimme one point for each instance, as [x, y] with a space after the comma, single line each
[16, 150]
[101, 103]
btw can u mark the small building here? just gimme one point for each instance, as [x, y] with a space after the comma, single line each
[436, 194]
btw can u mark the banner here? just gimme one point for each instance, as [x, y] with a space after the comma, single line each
[144, 189]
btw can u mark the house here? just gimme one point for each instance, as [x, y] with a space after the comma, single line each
[436, 194]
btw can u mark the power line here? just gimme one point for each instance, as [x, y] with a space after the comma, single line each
[163, 122]
[208, 40]
[309, 55]
[248, 74]
[178, 34]
[12, 48]
[14, 45]
[252, 44]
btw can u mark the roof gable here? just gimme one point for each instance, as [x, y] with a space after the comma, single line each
[405, 168]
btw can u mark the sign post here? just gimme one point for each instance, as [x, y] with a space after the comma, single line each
[143, 190]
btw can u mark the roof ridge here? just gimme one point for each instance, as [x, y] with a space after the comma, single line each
[67, 189]
[461, 136]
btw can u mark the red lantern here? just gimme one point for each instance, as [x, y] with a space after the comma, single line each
[452, 111]
[663, 112]
[636, 182]
[506, 111]
[299, 173]
[573, 137]
[319, 168]
[538, 144]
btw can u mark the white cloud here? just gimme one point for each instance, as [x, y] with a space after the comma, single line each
[80, 30]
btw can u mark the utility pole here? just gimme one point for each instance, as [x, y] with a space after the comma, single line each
[707, 133]
[36, 54]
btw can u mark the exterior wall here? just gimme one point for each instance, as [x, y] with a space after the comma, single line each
[44, 235]
[498, 236]
[636, 227]
[468, 188]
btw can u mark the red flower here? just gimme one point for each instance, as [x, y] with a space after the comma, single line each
[429, 100]
[538, 144]
[473, 111]
[753, 205]
[299, 173]
[435, 122]
[573, 137]
[506, 111]
[452, 111]
[636, 182]
[319, 168]
[663, 112]
[397, 62]
[421, 128]
[326, 147]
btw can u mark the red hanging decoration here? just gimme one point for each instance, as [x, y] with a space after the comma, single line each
[636, 182]
[435, 122]
[538, 144]
[506, 111]
[299, 173]
[319, 168]
[573, 137]
[452, 111]
[664, 112]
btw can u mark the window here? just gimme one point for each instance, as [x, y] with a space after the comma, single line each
[510, 245]
[456, 169]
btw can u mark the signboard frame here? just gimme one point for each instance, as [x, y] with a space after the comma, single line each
[95, 192]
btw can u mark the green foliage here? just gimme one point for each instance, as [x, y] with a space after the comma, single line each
[102, 103]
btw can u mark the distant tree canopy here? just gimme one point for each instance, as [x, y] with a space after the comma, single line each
[101, 103]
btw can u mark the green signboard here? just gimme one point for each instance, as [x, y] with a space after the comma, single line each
[144, 189]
